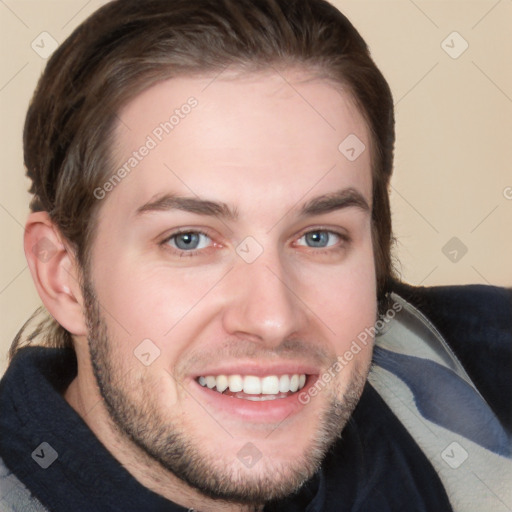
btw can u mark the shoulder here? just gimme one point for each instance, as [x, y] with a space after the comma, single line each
[14, 496]
[479, 306]
[476, 321]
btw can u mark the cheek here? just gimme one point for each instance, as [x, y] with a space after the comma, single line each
[353, 321]
[142, 301]
[344, 297]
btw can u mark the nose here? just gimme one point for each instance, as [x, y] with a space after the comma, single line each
[263, 306]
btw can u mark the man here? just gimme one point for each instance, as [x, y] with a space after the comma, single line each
[210, 235]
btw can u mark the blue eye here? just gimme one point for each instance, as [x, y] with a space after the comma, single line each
[189, 241]
[319, 239]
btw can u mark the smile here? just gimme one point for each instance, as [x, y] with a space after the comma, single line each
[254, 388]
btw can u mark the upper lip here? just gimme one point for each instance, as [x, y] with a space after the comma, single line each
[259, 369]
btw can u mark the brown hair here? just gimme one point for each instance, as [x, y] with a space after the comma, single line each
[128, 45]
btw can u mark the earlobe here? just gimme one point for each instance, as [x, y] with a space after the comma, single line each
[55, 272]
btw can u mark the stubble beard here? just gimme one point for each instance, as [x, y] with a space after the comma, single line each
[136, 415]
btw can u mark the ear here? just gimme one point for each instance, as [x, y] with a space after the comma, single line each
[55, 272]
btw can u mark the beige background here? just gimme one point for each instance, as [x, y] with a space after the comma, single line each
[453, 173]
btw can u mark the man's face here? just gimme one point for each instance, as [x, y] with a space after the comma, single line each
[236, 252]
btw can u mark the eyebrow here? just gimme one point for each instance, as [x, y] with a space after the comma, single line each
[345, 198]
[188, 204]
[326, 203]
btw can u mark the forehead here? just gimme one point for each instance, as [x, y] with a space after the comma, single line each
[275, 134]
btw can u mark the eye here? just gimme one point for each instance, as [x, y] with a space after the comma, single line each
[319, 239]
[189, 241]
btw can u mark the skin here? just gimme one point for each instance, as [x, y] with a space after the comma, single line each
[265, 148]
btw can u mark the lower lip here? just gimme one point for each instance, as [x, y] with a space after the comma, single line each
[265, 411]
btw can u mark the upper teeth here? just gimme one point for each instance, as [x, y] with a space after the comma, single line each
[252, 385]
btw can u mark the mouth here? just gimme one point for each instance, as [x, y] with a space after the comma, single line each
[253, 393]
[253, 387]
